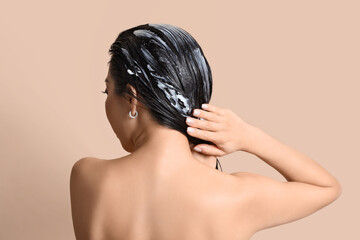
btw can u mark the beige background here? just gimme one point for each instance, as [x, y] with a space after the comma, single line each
[288, 67]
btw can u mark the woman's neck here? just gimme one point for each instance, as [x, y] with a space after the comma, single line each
[162, 146]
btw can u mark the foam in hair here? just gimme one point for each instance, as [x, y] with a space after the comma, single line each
[177, 100]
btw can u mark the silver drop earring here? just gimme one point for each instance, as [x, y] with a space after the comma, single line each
[136, 114]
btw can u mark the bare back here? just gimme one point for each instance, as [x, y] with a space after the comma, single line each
[195, 202]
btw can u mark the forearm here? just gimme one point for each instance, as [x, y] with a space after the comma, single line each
[289, 162]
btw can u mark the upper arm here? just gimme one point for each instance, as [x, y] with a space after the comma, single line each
[272, 203]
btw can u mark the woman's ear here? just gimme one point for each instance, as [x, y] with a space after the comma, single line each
[132, 101]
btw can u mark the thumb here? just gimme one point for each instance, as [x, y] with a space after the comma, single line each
[208, 149]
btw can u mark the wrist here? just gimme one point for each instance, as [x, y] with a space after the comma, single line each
[253, 135]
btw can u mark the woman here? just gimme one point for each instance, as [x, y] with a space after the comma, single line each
[158, 77]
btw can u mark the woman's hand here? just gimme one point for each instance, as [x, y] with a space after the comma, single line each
[206, 159]
[222, 127]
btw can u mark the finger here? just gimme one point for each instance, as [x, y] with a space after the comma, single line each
[206, 115]
[213, 109]
[203, 124]
[210, 150]
[202, 134]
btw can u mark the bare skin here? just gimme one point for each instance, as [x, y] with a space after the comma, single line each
[165, 190]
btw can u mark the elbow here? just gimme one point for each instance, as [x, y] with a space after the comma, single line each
[331, 194]
[336, 190]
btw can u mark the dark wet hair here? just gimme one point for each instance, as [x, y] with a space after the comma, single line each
[168, 69]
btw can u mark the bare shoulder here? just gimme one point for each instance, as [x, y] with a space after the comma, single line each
[85, 175]
[85, 162]
[85, 185]
[87, 170]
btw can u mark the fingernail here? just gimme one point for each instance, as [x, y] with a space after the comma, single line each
[196, 112]
[197, 149]
[190, 129]
[189, 120]
[204, 106]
